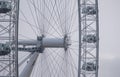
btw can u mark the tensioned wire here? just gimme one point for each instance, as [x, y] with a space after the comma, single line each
[53, 20]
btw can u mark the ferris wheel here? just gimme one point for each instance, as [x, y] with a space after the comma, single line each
[49, 38]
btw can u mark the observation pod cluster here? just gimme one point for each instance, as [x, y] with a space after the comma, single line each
[89, 38]
[5, 6]
[89, 66]
[89, 10]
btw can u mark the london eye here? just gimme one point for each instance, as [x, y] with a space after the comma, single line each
[49, 38]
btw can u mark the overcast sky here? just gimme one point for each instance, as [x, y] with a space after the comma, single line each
[109, 11]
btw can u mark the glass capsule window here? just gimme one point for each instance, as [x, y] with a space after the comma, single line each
[5, 6]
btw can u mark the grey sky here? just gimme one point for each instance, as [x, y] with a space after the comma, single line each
[109, 38]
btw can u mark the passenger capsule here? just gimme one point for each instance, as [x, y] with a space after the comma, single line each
[5, 6]
[89, 66]
[4, 49]
[90, 38]
[89, 10]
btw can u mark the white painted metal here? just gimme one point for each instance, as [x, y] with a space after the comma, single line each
[52, 42]
[16, 37]
[79, 54]
[28, 42]
[45, 42]
[29, 66]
